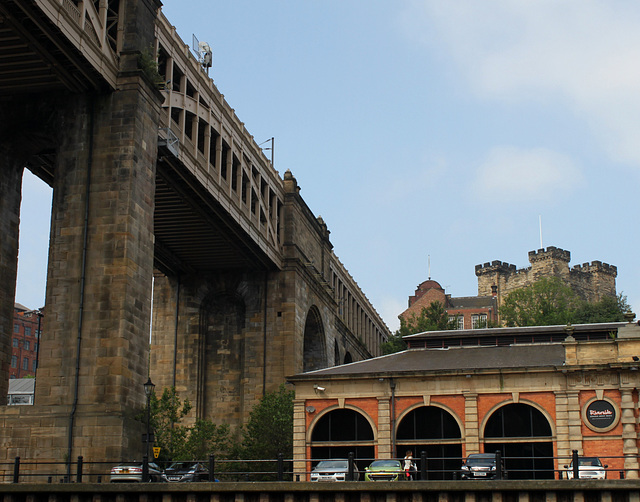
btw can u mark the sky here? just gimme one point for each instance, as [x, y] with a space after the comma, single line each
[432, 136]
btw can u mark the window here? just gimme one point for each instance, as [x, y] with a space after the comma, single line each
[27, 345]
[14, 361]
[16, 342]
[16, 328]
[458, 320]
[15, 399]
[35, 365]
[25, 364]
[27, 331]
[478, 321]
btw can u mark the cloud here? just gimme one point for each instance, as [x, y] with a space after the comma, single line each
[584, 53]
[524, 175]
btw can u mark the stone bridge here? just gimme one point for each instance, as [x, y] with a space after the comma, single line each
[167, 218]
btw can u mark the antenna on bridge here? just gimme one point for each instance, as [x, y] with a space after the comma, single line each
[203, 52]
[272, 146]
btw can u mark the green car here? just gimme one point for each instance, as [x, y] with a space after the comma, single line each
[384, 470]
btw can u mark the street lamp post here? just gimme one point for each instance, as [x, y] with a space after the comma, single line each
[148, 390]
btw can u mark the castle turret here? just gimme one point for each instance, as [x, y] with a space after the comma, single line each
[592, 281]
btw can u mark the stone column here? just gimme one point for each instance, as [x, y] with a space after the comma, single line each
[574, 422]
[562, 428]
[94, 358]
[471, 426]
[385, 443]
[10, 196]
[299, 439]
[629, 434]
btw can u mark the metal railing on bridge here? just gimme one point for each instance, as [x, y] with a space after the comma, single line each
[282, 470]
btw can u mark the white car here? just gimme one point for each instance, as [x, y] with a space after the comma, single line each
[588, 468]
[333, 470]
[132, 473]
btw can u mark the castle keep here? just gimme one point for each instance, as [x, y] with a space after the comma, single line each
[591, 281]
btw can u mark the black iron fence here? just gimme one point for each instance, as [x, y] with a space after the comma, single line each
[281, 469]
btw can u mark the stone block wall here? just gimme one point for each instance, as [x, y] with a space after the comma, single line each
[590, 281]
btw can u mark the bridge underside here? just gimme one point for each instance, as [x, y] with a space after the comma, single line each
[34, 58]
[193, 232]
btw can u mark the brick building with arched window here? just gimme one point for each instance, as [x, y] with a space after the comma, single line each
[535, 394]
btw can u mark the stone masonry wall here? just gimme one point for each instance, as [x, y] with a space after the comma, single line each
[590, 281]
[10, 195]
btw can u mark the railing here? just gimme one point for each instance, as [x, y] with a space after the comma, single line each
[281, 469]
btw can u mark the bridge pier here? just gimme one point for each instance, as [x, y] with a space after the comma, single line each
[210, 340]
[94, 358]
[10, 195]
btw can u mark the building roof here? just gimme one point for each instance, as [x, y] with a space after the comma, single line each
[452, 359]
[473, 349]
[472, 302]
[511, 335]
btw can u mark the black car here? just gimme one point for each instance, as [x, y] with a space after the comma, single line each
[481, 466]
[182, 472]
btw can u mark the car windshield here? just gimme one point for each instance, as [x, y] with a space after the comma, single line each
[333, 464]
[386, 463]
[481, 460]
[590, 461]
[181, 466]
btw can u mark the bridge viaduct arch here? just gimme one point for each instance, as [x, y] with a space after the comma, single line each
[134, 210]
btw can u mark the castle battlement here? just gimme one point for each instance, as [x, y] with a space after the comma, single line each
[550, 253]
[495, 266]
[596, 267]
[590, 281]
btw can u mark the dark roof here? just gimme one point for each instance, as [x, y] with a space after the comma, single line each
[453, 359]
[510, 336]
[472, 302]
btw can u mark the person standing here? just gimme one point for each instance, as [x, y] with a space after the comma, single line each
[409, 467]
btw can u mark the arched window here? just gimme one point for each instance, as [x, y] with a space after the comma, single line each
[315, 357]
[524, 437]
[436, 432]
[340, 432]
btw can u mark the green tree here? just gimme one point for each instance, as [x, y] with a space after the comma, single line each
[545, 302]
[181, 442]
[549, 301]
[269, 430]
[431, 318]
[608, 309]
[166, 413]
[206, 438]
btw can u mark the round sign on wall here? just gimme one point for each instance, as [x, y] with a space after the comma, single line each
[600, 415]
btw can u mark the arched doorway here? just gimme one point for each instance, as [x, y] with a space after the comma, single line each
[436, 432]
[523, 435]
[315, 354]
[340, 432]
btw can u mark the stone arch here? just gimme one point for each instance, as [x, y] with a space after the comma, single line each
[314, 353]
[437, 431]
[338, 431]
[348, 358]
[220, 386]
[523, 432]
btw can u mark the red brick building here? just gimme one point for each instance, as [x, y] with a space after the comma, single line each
[25, 340]
[470, 312]
[536, 394]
